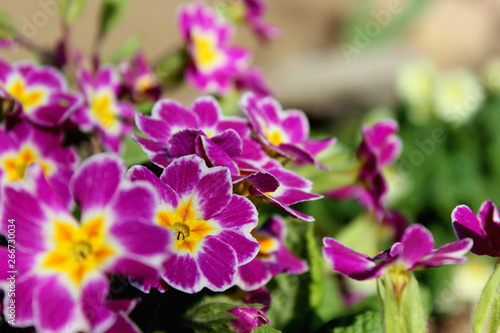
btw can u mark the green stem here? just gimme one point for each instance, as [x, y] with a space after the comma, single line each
[487, 315]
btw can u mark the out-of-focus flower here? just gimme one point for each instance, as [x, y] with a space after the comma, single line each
[139, 81]
[483, 229]
[284, 132]
[40, 92]
[24, 144]
[458, 95]
[379, 148]
[62, 285]
[273, 258]
[255, 10]
[247, 319]
[211, 226]
[415, 251]
[170, 119]
[259, 296]
[215, 64]
[415, 86]
[102, 112]
[253, 80]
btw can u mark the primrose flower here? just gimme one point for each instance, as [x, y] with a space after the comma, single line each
[482, 229]
[172, 129]
[247, 319]
[254, 15]
[272, 259]
[24, 144]
[63, 264]
[382, 141]
[40, 92]
[139, 81]
[214, 62]
[211, 226]
[415, 251]
[284, 132]
[102, 112]
[253, 80]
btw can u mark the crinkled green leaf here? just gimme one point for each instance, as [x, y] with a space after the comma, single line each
[71, 9]
[133, 153]
[366, 322]
[6, 28]
[211, 318]
[111, 13]
[487, 315]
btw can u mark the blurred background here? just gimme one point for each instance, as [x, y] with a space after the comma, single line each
[431, 65]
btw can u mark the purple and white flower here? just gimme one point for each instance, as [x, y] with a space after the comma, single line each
[139, 81]
[247, 319]
[285, 132]
[172, 130]
[381, 141]
[273, 258]
[214, 62]
[254, 15]
[483, 229]
[102, 111]
[63, 263]
[24, 144]
[40, 92]
[211, 225]
[415, 251]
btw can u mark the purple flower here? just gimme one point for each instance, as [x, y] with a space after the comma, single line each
[484, 229]
[379, 148]
[255, 10]
[24, 144]
[172, 130]
[62, 285]
[381, 140]
[40, 92]
[212, 226]
[102, 112]
[139, 81]
[247, 319]
[214, 62]
[285, 132]
[253, 80]
[273, 258]
[416, 250]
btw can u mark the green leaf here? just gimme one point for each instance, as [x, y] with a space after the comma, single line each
[111, 13]
[6, 28]
[211, 318]
[487, 315]
[366, 322]
[126, 50]
[361, 234]
[265, 329]
[317, 284]
[403, 313]
[170, 69]
[71, 9]
[133, 153]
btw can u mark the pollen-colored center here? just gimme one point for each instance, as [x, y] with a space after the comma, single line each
[15, 165]
[276, 137]
[102, 110]
[268, 243]
[78, 250]
[145, 82]
[207, 55]
[187, 227]
[28, 98]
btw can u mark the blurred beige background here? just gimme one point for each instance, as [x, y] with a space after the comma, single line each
[305, 66]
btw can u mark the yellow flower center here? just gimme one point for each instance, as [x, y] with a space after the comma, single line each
[187, 227]
[206, 55]
[145, 82]
[79, 250]
[268, 244]
[276, 137]
[399, 276]
[15, 165]
[102, 109]
[28, 98]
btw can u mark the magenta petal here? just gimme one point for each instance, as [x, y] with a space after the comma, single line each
[141, 173]
[25, 288]
[123, 324]
[245, 246]
[214, 191]
[93, 302]
[182, 143]
[253, 275]
[184, 174]
[142, 239]
[95, 183]
[181, 272]
[230, 142]
[297, 125]
[146, 284]
[133, 266]
[214, 155]
[156, 129]
[467, 225]
[208, 111]
[218, 264]
[448, 254]
[135, 203]
[54, 308]
[240, 215]
[348, 262]
[490, 221]
[174, 114]
[417, 243]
